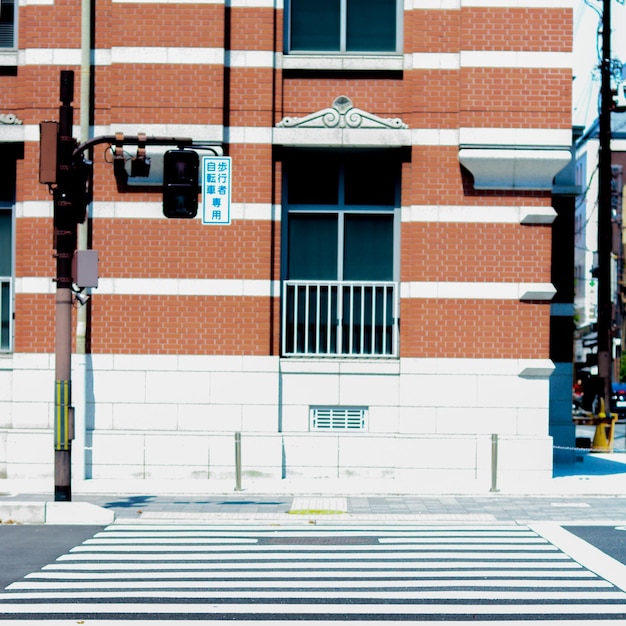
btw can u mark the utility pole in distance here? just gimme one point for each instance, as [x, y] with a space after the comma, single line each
[605, 228]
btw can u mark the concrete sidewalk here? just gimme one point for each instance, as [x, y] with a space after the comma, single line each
[591, 489]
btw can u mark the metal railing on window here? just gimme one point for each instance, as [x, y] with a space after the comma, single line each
[5, 314]
[340, 318]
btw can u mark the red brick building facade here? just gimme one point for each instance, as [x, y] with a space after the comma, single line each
[379, 304]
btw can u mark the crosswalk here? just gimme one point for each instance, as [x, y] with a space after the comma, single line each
[326, 573]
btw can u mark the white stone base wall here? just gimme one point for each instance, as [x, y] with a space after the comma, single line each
[174, 417]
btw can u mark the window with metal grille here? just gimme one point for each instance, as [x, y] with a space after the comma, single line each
[337, 418]
[340, 253]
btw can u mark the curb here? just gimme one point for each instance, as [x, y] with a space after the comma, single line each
[54, 513]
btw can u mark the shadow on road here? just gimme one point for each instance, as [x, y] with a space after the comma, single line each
[593, 465]
[129, 502]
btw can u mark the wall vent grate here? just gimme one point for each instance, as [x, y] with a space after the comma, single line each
[338, 418]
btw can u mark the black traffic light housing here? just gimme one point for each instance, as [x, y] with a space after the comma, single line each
[180, 183]
[73, 194]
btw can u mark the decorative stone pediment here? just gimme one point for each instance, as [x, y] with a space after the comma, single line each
[342, 114]
[10, 118]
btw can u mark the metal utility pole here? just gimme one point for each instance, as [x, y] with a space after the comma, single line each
[605, 235]
[65, 245]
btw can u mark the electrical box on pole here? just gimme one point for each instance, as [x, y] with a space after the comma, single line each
[85, 268]
[48, 138]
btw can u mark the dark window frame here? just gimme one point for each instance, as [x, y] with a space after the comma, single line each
[342, 209]
[8, 25]
[340, 34]
[347, 306]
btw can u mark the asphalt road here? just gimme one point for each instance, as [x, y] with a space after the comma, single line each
[26, 549]
[610, 539]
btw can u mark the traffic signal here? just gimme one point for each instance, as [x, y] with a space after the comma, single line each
[73, 194]
[180, 183]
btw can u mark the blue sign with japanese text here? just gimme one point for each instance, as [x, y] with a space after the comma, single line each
[216, 190]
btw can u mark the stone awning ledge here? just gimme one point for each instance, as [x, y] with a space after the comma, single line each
[537, 215]
[514, 158]
[536, 368]
[537, 291]
[513, 168]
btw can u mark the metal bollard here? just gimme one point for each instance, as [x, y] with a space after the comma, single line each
[237, 461]
[494, 462]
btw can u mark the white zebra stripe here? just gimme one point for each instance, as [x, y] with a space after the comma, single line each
[320, 528]
[253, 549]
[417, 596]
[297, 556]
[277, 534]
[297, 622]
[191, 541]
[298, 584]
[312, 609]
[430, 568]
[245, 573]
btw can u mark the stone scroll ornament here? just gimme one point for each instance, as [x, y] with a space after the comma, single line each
[342, 114]
[10, 119]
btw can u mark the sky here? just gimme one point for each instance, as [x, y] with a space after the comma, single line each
[586, 61]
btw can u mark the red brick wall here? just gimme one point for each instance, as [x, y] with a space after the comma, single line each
[474, 329]
[515, 98]
[258, 97]
[123, 324]
[527, 29]
[487, 28]
[35, 323]
[475, 252]
[187, 249]
[218, 325]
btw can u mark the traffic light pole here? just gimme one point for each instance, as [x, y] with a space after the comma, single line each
[63, 168]
[65, 245]
[605, 228]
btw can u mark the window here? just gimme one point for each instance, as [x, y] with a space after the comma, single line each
[340, 253]
[344, 26]
[7, 24]
[7, 197]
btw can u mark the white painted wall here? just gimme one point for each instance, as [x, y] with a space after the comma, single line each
[175, 417]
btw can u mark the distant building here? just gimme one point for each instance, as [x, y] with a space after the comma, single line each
[377, 303]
